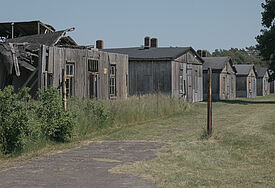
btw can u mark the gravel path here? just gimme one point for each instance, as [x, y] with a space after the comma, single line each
[86, 166]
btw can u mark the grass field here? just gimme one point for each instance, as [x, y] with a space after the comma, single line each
[241, 152]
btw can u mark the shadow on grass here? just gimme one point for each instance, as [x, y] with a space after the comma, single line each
[246, 102]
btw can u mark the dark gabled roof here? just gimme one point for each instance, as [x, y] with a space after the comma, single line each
[261, 72]
[216, 63]
[161, 53]
[23, 28]
[244, 69]
[48, 39]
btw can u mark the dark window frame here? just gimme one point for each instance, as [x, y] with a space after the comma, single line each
[113, 81]
[70, 78]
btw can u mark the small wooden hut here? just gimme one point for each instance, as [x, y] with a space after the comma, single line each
[223, 78]
[263, 86]
[246, 80]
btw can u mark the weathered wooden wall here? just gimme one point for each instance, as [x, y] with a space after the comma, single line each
[241, 86]
[252, 92]
[227, 83]
[263, 86]
[121, 62]
[223, 83]
[246, 85]
[179, 69]
[215, 85]
[272, 87]
[194, 77]
[53, 60]
[149, 77]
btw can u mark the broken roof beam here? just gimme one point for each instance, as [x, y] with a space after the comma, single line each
[24, 28]
[63, 35]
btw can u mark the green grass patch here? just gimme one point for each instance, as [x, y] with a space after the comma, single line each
[240, 153]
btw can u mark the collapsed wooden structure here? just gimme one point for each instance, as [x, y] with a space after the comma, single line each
[223, 78]
[52, 59]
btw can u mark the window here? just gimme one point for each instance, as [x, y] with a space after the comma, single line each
[92, 65]
[93, 76]
[112, 86]
[70, 79]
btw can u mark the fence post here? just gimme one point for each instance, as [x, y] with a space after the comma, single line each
[209, 104]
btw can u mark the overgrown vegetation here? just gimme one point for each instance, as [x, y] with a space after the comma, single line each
[14, 120]
[25, 123]
[28, 125]
[56, 124]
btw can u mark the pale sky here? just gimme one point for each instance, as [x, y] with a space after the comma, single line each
[202, 24]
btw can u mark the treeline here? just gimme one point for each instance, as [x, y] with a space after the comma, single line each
[27, 125]
[249, 55]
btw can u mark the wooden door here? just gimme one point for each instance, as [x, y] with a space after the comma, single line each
[93, 85]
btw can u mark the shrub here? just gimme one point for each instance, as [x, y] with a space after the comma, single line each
[98, 113]
[13, 119]
[56, 124]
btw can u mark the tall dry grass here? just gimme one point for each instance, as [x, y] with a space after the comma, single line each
[97, 114]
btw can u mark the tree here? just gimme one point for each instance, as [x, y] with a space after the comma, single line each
[249, 55]
[266, 41]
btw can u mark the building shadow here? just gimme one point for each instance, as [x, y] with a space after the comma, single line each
[246, 101]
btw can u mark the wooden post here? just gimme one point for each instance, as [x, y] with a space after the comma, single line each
[12, 30]
[64, 89]
[209, 104]
[38, 28]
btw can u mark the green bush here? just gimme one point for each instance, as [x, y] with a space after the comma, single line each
[56, 124]
[13, 119]
[98, 113]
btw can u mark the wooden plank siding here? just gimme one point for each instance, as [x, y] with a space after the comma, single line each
[58, 58]
[263, 86]
[223, 79]
[149, 77]
[227, 83]
[272, 87]
[153, 76]
[246, 85]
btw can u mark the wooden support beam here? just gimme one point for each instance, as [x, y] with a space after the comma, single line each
[30, 77]
[33, 84]
[12, 30]
[38, 28]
